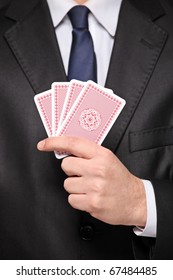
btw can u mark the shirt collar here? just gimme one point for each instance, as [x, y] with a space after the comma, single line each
[108, 19]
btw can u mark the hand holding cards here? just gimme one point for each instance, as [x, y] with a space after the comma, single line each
[82, 109]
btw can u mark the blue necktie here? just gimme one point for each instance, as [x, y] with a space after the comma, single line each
[82, 62]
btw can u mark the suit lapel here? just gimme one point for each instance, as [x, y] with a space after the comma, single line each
[137, 48]
[33, 42]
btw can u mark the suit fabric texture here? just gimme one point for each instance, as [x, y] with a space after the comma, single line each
[36, 221]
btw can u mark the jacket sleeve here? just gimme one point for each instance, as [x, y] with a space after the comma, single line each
[160, 247]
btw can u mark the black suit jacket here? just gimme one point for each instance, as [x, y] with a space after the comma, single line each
[36, 221]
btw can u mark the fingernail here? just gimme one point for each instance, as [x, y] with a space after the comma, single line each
[41, 145]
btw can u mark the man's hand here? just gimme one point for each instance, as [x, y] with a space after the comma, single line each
[98, 182]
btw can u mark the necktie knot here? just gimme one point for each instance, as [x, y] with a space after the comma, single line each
[82, 62]
[79, 17]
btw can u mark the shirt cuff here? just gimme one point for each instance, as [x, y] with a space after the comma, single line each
[150, 229]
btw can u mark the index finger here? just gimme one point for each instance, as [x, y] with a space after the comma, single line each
[76, 146]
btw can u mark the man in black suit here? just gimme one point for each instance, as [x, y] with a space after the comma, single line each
[36, 220]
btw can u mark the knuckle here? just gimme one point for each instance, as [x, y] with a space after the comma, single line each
[95, 204]
[66, 184]
[71, 142]
[103, 163]
[98, 186]
[63, 164]
[70, 200]
[66, 162]
[107, 154]
[101, 170]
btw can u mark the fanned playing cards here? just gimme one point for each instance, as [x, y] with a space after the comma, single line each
[82, 109]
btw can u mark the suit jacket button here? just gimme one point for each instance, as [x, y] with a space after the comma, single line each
[86, 232]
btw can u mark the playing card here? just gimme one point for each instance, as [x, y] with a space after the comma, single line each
[73, 92]
[59, 91]
[92, 114]
[43, 102]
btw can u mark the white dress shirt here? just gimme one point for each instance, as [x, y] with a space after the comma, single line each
[102, 21]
